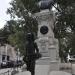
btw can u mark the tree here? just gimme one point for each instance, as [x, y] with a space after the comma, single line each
[31, 5]
[20, 24]
[64, 26]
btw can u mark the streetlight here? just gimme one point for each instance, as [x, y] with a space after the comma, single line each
[17, 57]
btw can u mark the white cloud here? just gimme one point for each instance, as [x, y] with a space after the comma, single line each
[4, 4]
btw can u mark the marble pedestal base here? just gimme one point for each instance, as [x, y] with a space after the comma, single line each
[42, 70]
[44, 66]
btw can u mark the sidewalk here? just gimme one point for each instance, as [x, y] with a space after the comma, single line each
[4, 70]
[66, 68]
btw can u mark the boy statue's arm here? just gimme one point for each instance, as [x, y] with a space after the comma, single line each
[36, 47]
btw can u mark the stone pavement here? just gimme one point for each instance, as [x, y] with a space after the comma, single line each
[24, 73]
[59, 73]
[67, 69]
[73, 69]
[4, 70]
[52, 73]
[63, 72]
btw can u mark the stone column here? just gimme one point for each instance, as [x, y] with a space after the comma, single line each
[48, 45]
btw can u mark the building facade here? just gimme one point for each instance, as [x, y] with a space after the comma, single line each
[7, 53]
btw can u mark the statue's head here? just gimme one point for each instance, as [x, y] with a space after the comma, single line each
[46, 4]
[30, 37]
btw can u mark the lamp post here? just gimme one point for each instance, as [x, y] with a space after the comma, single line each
[17, 57]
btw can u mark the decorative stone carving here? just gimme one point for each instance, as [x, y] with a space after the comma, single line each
[48, 45]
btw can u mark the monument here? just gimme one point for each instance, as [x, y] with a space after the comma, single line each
[47, 43]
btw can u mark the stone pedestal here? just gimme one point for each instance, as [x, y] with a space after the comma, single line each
[48, 45]
[59, 73]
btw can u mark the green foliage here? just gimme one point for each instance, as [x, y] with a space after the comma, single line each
[16, 29]
[31, 5]
[20, 25]
[65, 26]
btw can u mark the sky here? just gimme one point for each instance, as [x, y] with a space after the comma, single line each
[4, 4]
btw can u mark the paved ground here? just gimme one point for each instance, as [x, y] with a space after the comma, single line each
[59, 73]
[24, 73]
[66, 67]
[5, 71]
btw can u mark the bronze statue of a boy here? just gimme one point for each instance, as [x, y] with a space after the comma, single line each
[32, 53]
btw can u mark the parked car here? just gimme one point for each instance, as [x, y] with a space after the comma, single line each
[18, 63]
[3, 64]
[10, 64]
[72, 59]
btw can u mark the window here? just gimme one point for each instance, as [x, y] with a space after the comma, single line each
[8, 58]
[3, 57]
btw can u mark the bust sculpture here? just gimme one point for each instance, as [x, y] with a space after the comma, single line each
[46, 4]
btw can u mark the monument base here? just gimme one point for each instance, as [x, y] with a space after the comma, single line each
[42, 69]
[44, 66]
[54, 66]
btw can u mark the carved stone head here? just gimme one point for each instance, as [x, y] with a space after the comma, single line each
[46, 4]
